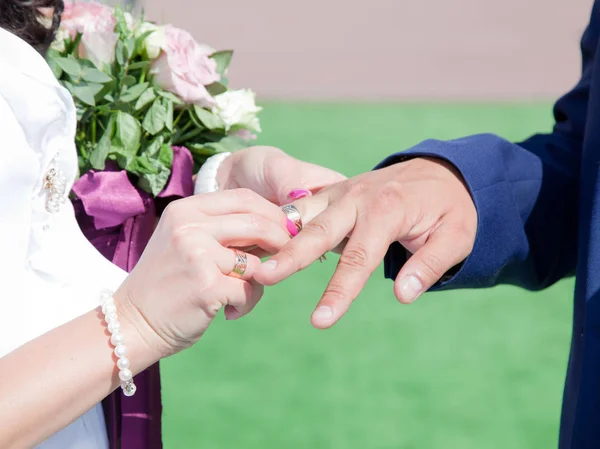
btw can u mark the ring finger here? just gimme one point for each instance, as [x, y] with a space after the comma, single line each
[242, 230]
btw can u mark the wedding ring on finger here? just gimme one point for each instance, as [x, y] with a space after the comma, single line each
[293, 215]
[241, 263]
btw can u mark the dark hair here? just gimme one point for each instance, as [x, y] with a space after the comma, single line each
[24, 19]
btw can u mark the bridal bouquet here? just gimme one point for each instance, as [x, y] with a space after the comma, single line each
[142, 89]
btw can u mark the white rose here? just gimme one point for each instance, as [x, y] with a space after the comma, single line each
[153, 43]
[238, 108]
[59, 40]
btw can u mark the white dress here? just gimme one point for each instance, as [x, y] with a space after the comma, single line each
[49, 272]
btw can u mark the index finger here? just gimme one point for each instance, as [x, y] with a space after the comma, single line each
[359, 259]
[238, 201]
[319, 236]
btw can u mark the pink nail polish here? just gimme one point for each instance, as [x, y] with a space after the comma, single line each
[296, 194]
[291, 227]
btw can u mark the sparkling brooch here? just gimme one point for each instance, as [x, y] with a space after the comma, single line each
[55, 184]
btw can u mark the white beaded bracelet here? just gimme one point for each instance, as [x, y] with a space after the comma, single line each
[206, 179]
[109, 309]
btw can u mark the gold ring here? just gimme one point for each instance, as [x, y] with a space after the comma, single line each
[241, 263]
[294, 215]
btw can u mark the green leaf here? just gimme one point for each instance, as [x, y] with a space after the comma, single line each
[95, 75]
[208, 119]
[166, 155]
[119, 154]
[155, 184]
[155, 146]
[100, 153]
[129, 81]
[216, 89]
[139, 65]
[200, 150]
[130, 47]
[223, 59]
[121, 27]
[145, 98]
[144, 165]
[120, 53]
[72, 45]
[230, 144]
[133, 92]
[218, 147]
[69, 65]
[109, 98]
[129, 131]
[155, 118]
[51, 55]
[86, 63]
[169, 117]
[85, 94]
[94, 87]
[174, 98]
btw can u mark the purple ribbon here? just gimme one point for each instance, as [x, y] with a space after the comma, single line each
[118, 218]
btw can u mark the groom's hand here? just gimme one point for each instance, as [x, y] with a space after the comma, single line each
[421, 203]
[274, 175]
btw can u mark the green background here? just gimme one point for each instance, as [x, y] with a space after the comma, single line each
[457, 370]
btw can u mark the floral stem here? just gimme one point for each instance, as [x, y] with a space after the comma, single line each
[178, 117]
[187, 136]
[94, 129]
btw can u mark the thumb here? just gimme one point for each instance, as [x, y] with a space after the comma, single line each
[305, 180]
[444, 249]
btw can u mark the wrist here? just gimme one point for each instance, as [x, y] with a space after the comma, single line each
[225, 172]
[144, 346]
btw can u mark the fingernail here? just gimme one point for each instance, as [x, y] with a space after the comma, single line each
[410, 288]
[291, 227]
[323, 313]
[269, 265]
[296, 194]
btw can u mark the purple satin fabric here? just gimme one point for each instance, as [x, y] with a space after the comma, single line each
[118, 219]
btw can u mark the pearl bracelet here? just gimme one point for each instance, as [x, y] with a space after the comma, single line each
[109, 309]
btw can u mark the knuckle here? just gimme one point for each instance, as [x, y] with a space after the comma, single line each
[318, 228]
[287, 252]
[433, 265]
[179, 238]
[245, 195]
[195, 259]
[464, 236]
[354, 257]
[355, 187]
[211, 308]
[172, 214]
[389, 196]
[256, 222]
[335, 291]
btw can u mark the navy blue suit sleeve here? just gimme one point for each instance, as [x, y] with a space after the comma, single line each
[526, 194]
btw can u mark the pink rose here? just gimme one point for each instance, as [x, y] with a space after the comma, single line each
[184, 68]
[96, 23]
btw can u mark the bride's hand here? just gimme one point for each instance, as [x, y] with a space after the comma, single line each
[274, 174]
[184, 276]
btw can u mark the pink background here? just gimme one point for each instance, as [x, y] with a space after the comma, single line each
[391, 49]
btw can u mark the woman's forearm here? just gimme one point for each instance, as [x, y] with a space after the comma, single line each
[51, 381]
